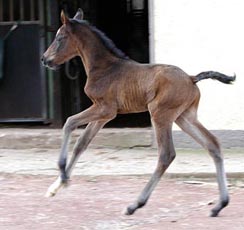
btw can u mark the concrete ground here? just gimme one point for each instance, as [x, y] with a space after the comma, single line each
[108, 177]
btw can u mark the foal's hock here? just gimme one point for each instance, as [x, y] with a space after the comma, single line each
[118, 85]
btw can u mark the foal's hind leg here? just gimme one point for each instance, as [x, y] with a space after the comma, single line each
[166, 155]
[80, 146]
[189, 123]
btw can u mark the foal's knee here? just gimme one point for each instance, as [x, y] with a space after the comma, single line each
[70, 125]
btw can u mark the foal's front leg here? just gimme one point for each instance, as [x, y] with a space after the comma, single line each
[80, 146]
[83, 141]
[92, 114]
[89, 115]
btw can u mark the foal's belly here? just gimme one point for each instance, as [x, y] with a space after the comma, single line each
[131, 109]
[129, 102]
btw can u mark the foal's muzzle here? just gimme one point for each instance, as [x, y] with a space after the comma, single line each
[45, 61]
[48, 63]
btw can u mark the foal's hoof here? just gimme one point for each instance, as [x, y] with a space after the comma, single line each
[53, 188]
[128, 211]
[216, 210]
[214, 213]
[49, 194]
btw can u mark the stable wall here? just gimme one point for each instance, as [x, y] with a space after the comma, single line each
[199, 36]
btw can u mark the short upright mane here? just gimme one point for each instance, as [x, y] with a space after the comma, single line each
[107, 42]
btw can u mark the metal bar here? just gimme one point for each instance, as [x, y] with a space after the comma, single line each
[40, 11]
[32, 10]
[22, 23]
[1, 10]
[11, 10]
[8, 120]
[22, 10]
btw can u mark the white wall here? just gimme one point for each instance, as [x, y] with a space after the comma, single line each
[199, 36]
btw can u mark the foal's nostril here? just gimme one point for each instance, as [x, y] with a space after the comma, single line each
[43, 60]
[47, 62]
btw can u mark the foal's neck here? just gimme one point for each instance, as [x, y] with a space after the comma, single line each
[95, 56]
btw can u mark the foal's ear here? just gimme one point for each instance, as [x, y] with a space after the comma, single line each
[79, 14]
[64, 18]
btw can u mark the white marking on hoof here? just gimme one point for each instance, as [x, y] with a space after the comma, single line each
[125, 211]
[52, 190]
[128, 211]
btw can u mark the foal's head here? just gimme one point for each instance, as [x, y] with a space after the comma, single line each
[63, 47]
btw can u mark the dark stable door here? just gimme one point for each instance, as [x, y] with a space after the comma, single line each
[22, 86]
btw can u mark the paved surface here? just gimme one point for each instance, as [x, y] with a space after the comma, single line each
[106, 180]
[96, 203]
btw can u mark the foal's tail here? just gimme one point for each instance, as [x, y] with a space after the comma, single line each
[215, 76]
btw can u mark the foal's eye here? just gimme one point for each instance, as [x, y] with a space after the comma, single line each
[59, 38]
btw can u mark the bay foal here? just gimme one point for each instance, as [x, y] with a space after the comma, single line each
[119, 85]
